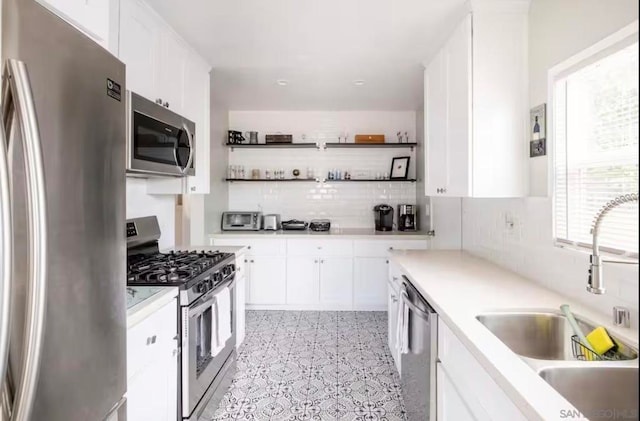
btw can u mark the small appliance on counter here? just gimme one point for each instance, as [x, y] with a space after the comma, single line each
[407, 217]
[383, 217]
[294, 225]
[320, 225]
[241, 221]
[271, 222]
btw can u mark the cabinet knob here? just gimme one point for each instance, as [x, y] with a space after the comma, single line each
[249, 247]
[444, 190]
[394, 298]
[245, 260]
[251, 261]
[387, 262]
[315, 261]
[390, 248]
[321, 261]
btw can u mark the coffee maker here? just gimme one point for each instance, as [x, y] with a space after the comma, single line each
[383, 217]
[407, 218]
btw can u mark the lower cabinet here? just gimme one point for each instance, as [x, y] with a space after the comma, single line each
[303, 280]
[267, 280]
[465, 390]
[393, 312]
[370, 283]
[336, 282]
[152, 365]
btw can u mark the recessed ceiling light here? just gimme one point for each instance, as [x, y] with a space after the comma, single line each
[358, 82]
[282, 82]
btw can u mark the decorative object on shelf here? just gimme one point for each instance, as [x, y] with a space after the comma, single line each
[399, 134]
[296, 173]
[255, 174]
[400, 168]
[279, 138]
[235, 137]
[310, 173]
[538, 143]
[406, 137]
[253, 137]
[369, 138]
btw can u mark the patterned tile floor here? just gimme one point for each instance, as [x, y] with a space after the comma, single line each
[312, 365]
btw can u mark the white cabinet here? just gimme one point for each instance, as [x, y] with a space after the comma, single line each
[476, 106]
[393, 312]
[241, 299]
[154, 55]
[152, 364]
[336, 282]
[92, 17]
[267, 280]
[140, 37]
[303, 280]
[465, 390]
[196, 108]
[370, 283]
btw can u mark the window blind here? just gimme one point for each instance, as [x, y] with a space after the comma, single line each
[595, 114]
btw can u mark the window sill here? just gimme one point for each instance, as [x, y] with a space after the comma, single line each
[604, 252]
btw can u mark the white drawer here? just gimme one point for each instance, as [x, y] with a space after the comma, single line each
[147, 339]
[323, 247]
[381, 248]
[479, 390]
[255, 246]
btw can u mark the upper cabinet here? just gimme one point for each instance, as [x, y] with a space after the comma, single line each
[476, 105]
[90, 16]
[163, 68]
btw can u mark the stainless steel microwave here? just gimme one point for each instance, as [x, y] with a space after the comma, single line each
[160, 142]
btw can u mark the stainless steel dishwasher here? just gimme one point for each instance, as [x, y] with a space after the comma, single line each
[418, 336]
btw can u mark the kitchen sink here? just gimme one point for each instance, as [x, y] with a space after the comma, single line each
[598, 392]
[539, 335]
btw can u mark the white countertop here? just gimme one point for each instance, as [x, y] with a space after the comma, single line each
[154, 301]
[352, 233]
[460, 286]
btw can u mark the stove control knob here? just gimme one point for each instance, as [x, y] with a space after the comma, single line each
[209, 283]
[217, 277]
[200, 287]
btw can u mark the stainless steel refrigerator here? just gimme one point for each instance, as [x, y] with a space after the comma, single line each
[62, 239]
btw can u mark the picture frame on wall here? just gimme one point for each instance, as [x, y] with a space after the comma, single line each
[399, 168]
[538, 128]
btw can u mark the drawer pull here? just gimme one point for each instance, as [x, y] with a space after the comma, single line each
[315, 261]
[251, 261]
[390, 248]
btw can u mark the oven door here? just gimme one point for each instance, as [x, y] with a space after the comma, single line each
[160, 141]
[199, 366]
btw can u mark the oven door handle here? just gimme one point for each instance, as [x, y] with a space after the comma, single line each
[199, 309]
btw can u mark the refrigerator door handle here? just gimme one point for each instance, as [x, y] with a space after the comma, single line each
[6, 254]
[19, 102]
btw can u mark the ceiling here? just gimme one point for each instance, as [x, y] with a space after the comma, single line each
[320, 47]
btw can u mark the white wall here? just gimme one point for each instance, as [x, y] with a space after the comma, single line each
[345, 204]
[217, 200]
[139, 203]
[558, 30]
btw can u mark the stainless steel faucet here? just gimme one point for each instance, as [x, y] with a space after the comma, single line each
[595, 283]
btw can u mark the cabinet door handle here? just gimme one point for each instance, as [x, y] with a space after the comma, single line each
[444, 190]
[321, 261]
[387, 262]
[315, 261]
[390, 248]
[394, 298]
[252, 261]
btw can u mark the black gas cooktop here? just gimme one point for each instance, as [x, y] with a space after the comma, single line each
[175, 268]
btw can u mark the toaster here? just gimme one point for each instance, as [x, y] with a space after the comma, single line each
[271, 222]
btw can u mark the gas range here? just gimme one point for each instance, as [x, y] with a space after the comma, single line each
[194, 272]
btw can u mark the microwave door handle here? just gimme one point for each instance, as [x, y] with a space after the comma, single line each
[190, 160]
[22, 107]
[6, 254]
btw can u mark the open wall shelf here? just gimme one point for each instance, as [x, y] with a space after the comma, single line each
[272, 180]
[301, 145]
[372, 180]
[370, 145]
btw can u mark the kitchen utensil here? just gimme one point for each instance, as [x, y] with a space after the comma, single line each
[294, 225]
[369, 138]
[383, 215]
[253, 137]
[574, 325]
[271, 222]
[600, 340]
[407, 217]
[235, 137]
[320, 225]
[279, 138]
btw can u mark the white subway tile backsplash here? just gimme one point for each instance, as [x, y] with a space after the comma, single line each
[528, 249]
[347, 205]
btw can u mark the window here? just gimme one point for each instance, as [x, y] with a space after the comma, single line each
[595, 128]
